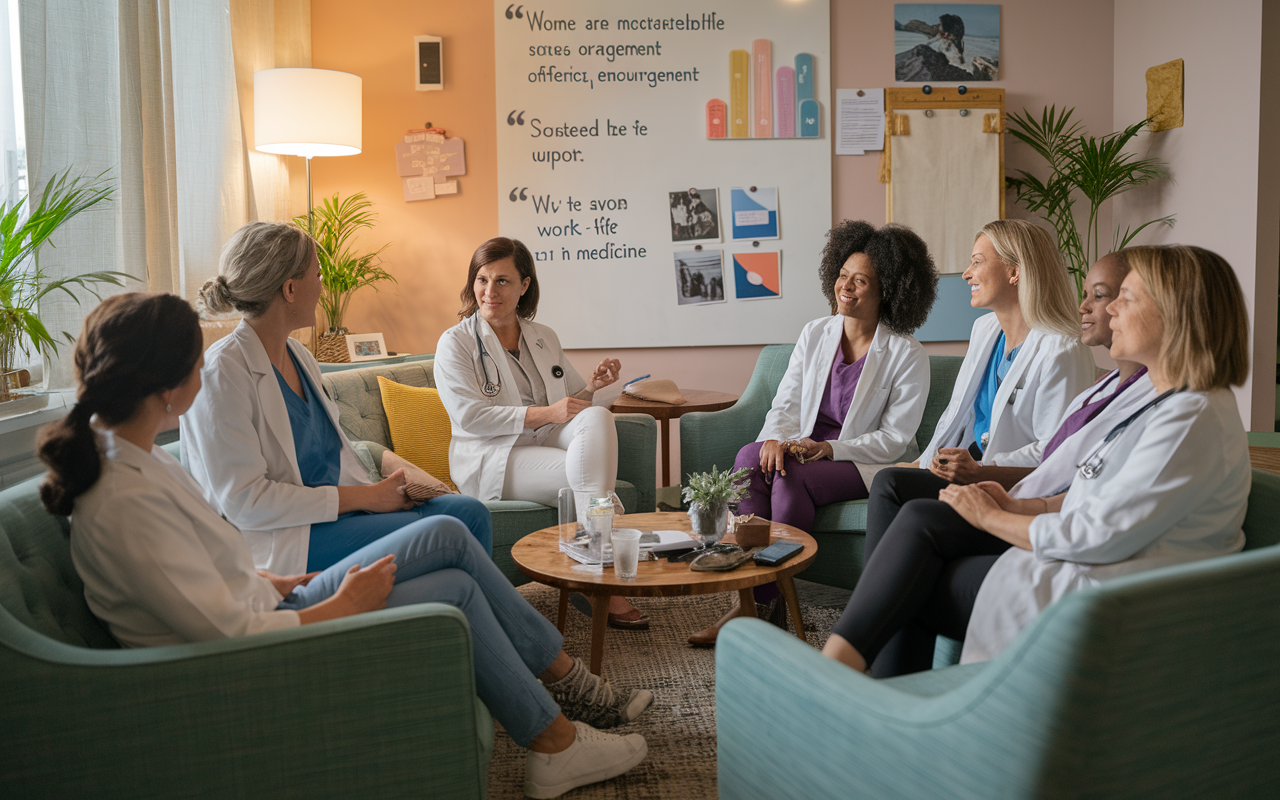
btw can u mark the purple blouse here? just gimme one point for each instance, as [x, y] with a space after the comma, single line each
[841, 384]
[1084, 415]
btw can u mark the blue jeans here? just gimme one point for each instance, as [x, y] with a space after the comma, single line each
[331, 542]
[439, 561]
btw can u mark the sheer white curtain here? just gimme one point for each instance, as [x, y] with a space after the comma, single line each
[147, 89]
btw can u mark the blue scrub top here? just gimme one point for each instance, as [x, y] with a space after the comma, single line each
[316, 442]
[998, 366]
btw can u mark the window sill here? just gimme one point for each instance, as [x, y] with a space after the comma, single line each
[34, 410]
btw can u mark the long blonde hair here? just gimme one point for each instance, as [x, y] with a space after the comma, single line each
[1044, 291]
[1206, 322]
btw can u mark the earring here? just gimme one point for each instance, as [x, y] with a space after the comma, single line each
[168, 408]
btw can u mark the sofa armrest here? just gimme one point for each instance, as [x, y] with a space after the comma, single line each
[379, 705]
[370, 455]
[637, 457]
[713, 438]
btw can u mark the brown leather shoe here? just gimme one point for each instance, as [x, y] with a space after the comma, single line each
[707, 636]
[633, 620]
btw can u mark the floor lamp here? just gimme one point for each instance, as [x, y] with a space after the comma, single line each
[308, 113]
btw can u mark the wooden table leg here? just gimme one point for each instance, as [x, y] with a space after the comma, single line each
[666, 452]
[788, 588]
[564, 610]
[746, 603]
[599, 622]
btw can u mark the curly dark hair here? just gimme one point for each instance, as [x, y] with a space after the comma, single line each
[908, 278]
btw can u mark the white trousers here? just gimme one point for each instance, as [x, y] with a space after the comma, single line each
[581, 454]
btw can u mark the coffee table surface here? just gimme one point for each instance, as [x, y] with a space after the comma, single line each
[538, 556]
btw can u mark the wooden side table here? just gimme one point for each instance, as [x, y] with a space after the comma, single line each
[538, 556]
[699, 400]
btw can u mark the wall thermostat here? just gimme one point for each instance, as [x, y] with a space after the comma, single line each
[428, 73]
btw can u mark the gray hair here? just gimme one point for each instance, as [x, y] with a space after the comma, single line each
[255, 262]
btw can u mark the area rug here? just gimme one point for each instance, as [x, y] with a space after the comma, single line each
[680, 728]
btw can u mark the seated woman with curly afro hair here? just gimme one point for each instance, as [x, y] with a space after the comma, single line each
[854, 392]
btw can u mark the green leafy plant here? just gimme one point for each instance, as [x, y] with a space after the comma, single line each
[1093, 168]
[715, 488]
[342, 270]
[24, 231]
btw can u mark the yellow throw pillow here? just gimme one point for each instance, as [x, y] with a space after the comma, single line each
[420, 431]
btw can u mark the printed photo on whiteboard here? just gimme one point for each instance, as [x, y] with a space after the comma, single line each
[695, 216]
[365, 346]
[757, 276]
[755, 212]
[699, 277]
[946, 42]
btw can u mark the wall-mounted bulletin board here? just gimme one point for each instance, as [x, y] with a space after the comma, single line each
[656, 216]
[943, 163]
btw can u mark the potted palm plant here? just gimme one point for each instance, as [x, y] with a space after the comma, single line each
[1096, 169]
[343, 270]
[24, 230]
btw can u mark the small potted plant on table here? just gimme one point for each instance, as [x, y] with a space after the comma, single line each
[709, 495]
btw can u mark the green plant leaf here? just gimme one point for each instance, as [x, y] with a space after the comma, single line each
[342, 271]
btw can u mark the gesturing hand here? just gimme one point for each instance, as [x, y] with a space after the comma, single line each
[970, 502]
[954, 464]
[606, 373]
[366, 589]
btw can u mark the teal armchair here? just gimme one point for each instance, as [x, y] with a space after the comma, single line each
[1160, 684]
[376, 705]
[714, 439]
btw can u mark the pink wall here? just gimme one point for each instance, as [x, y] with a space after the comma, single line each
[1047, 57]
[1226, 187]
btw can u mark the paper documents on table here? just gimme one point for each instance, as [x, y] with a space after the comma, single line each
[655, 541]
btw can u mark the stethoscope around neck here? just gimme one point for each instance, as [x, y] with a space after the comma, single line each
[490, 388]
[1091, 467]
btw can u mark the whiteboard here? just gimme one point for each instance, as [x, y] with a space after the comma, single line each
[593, 203]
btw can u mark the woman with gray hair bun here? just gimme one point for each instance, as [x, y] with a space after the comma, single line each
[263, 438]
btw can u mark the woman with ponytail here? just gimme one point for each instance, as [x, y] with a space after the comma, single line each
[161, 566]
[264, 440]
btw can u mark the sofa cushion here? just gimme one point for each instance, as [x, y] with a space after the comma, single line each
[847, 517]
[419, 425]
[359, 398]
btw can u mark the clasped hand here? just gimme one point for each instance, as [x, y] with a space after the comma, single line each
[773, 453]
[954, 464]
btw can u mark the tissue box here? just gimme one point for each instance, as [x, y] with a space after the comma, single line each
[752, 534]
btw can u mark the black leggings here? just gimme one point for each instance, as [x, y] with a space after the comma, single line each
[922, 573]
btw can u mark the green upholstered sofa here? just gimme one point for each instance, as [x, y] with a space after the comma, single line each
[1160, 684]
[714, 439]
[361, 416]
[377, 705]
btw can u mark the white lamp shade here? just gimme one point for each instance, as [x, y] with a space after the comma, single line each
[306, 112]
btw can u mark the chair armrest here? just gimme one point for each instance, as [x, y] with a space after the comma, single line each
[379, 704]
[637, 457]
[370, 455]
[713, 438]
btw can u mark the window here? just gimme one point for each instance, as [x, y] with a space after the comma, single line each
[13, 157]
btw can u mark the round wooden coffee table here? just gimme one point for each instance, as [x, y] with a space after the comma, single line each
[538, 556]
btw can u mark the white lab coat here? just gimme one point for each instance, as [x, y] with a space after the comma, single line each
[159, 565]
[1047, 373]
[887, 406]
[1172, 488]
[238, 444]
[1054, 474]
[485, 428]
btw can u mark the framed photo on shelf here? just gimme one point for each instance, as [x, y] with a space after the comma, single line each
[366, 346]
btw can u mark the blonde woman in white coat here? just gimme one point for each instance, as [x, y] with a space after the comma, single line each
[1167, 484]
[1024, 366]
[264, 440]
[161, 566]
[523, 423]
[854, 390]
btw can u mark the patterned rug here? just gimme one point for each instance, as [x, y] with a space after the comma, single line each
[680, 728]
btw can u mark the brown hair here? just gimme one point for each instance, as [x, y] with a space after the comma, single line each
[133, 345]
[255, 262]
[1206, 322]
[497, 249]
[1045, 294]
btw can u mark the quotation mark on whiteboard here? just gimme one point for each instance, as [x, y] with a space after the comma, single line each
[516, 15]
[512, 119]
[512, 197]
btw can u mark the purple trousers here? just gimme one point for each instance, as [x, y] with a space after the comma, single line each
[793, 499]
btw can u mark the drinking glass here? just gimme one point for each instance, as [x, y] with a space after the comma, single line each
[626, 553]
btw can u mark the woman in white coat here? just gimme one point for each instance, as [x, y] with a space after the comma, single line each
[264, 440]
[854, 390]
[522, 420]
[1024, 365]
[1167, 484]
[161, 566]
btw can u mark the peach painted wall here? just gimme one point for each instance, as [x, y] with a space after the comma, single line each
[1226, 188]
[1046, 57]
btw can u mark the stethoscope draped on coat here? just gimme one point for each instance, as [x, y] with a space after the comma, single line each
[1091, 467]
[490, 388]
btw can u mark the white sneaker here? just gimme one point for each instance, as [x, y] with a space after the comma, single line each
[594, 756]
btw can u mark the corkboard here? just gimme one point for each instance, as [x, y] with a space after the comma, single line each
[1164, 95]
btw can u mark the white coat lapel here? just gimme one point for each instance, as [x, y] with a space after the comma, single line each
[274, 411]
[971, 372]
